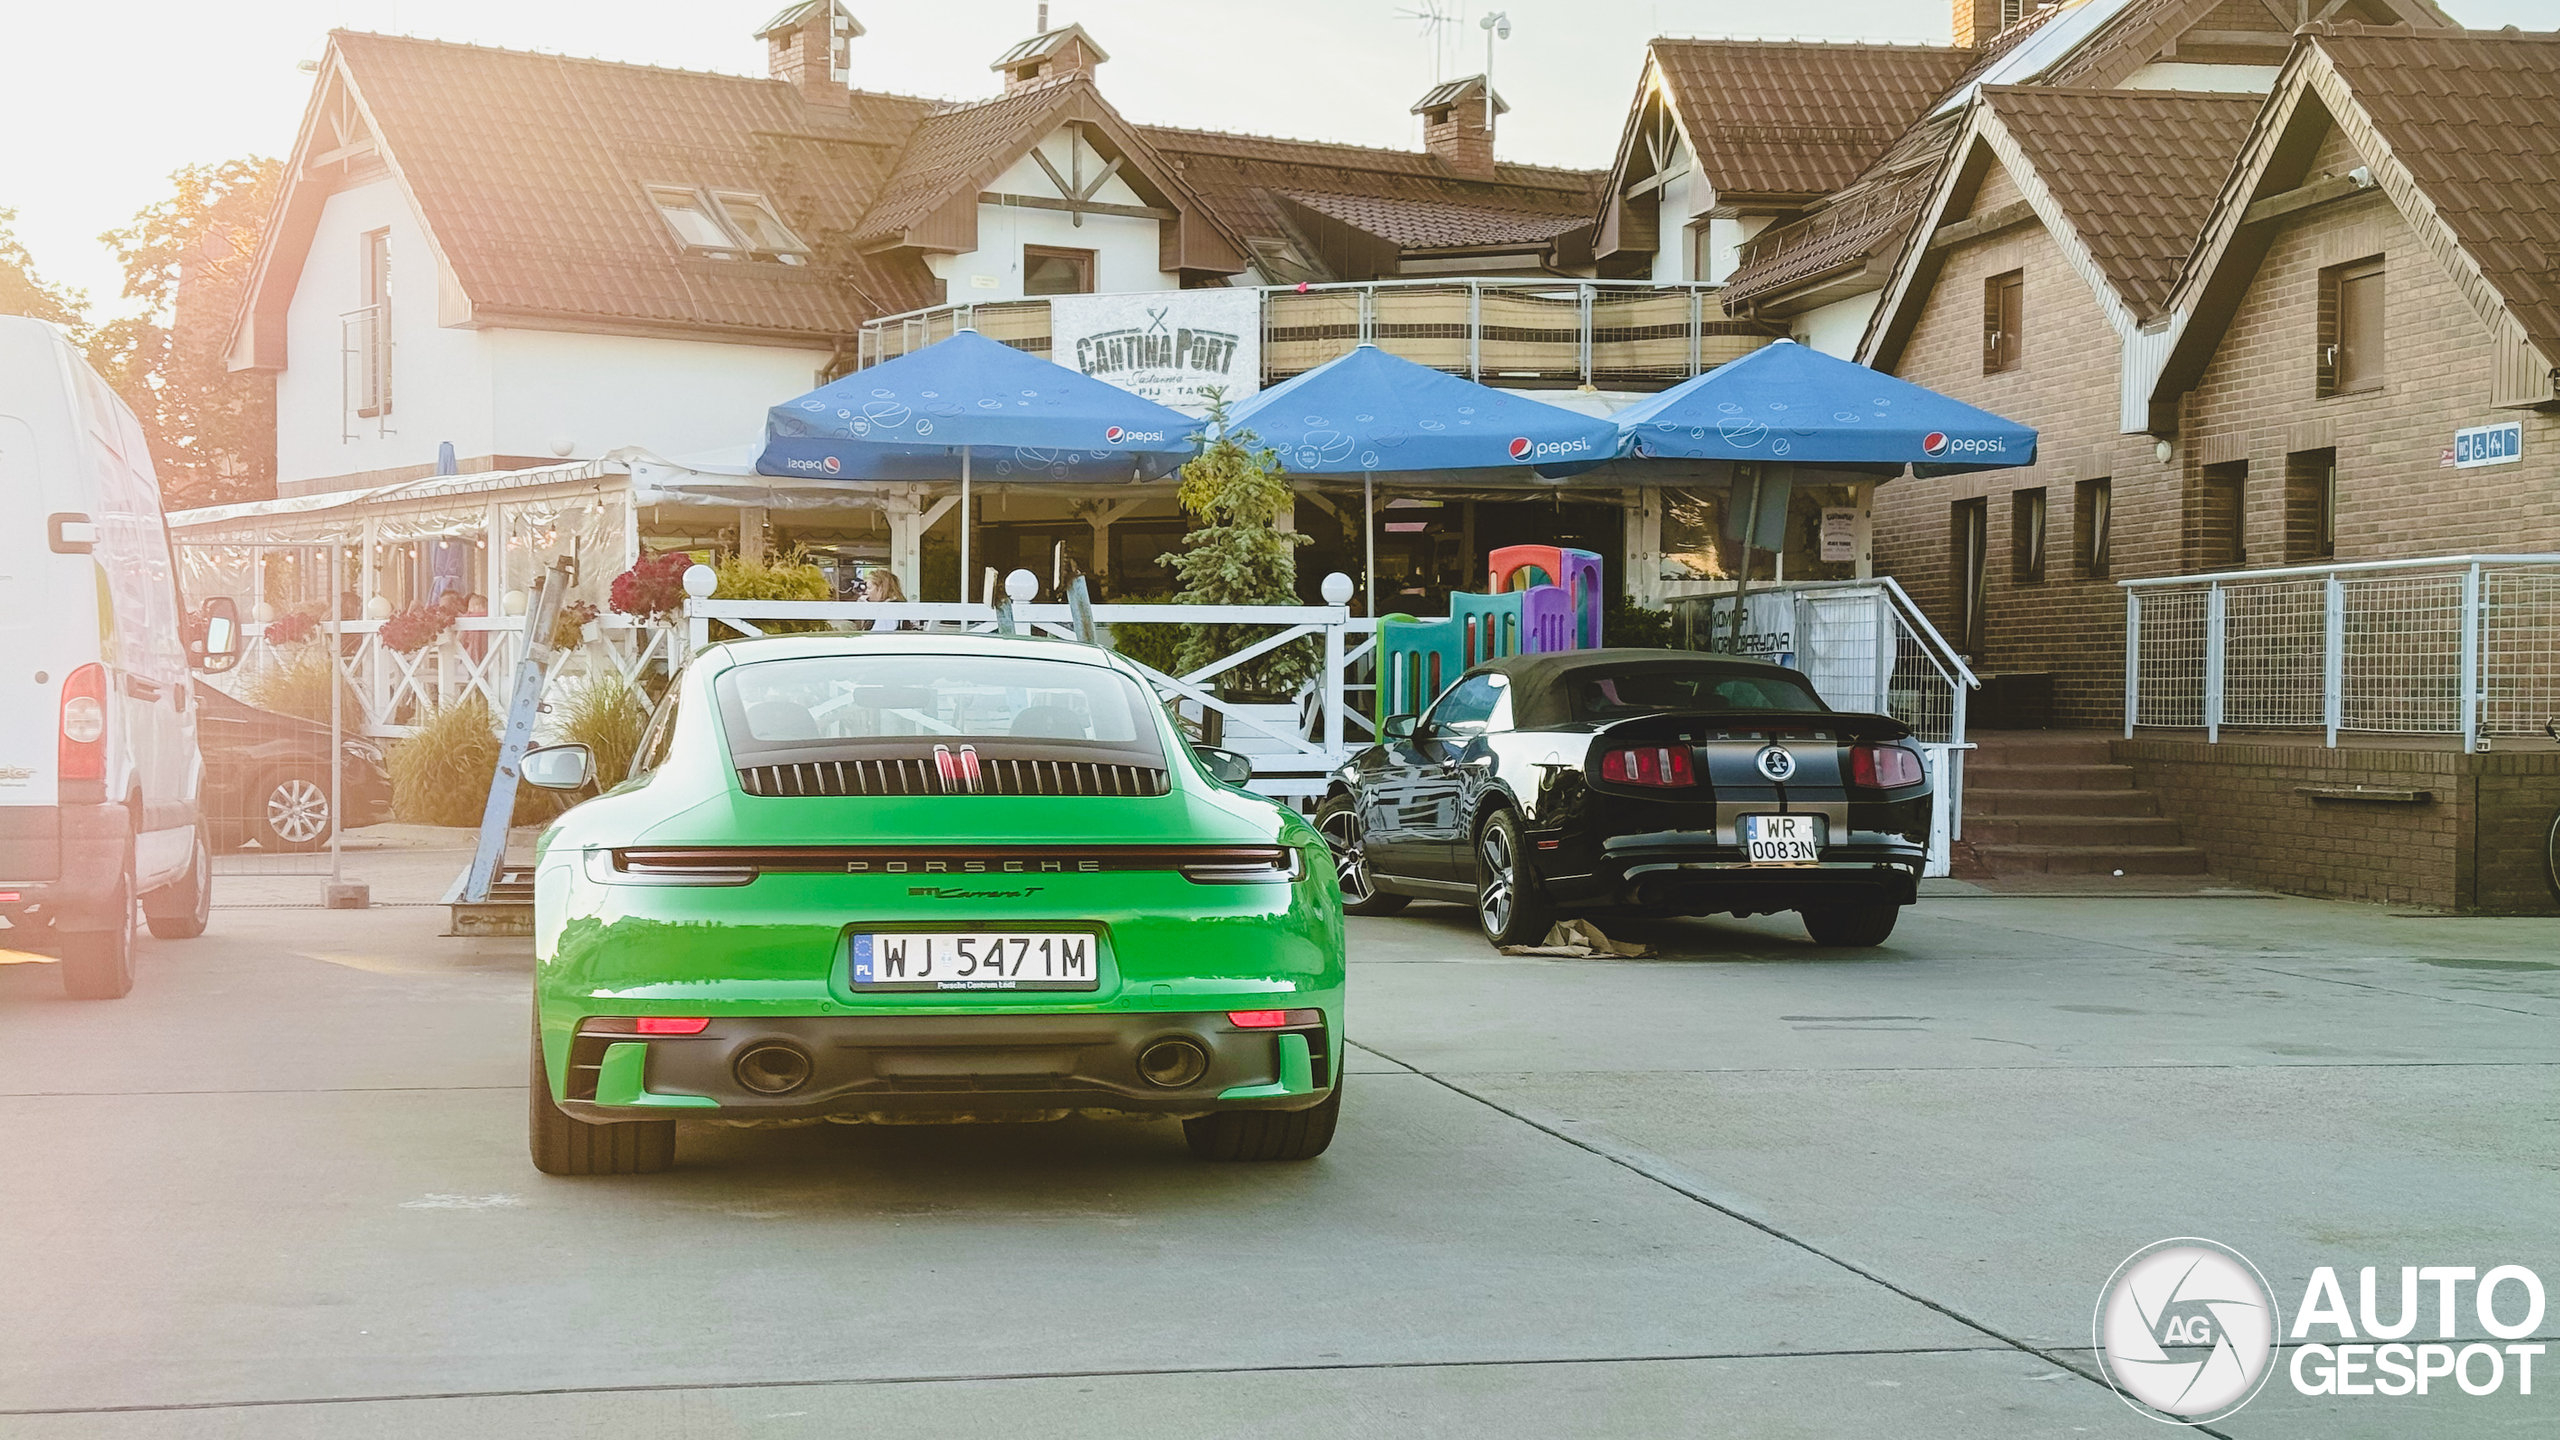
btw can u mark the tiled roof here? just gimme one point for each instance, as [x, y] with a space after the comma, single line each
[1450, 92]
[2133, 38]
[530, 170]
[951, 146]
[1436, 225]
[1865, 219]
[1242, 177]
[2472, 114]
[2134, 171]
[1792, 118]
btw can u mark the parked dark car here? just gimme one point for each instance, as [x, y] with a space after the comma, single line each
[267, 776]
[1634, 782]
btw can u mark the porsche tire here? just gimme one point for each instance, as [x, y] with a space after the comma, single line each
[562, 1144]
[1511, 905]
[1338, 820]
[1266, 1134]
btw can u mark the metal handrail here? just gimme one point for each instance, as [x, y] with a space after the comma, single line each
[2297, 572]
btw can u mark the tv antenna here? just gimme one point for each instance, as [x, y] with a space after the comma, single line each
[1441, 22]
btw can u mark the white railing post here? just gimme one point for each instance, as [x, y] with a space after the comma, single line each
[2471, 658]
[2214, 615]
[1697, 334]
[2132, 660]
[1333, 692]
[1583, 295]
[2333, 656]
[1475, 331]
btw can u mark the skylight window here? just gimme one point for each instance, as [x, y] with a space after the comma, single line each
[727, 224]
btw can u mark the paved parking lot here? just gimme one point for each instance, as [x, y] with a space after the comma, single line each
[1751, 1187]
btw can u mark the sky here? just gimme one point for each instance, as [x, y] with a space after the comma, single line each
[81, 151]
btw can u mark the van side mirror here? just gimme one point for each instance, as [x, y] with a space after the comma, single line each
[1228, 767]
[219, 650]
[558, 767]
[1397, 727]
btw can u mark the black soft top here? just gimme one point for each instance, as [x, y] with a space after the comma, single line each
[1537, 689]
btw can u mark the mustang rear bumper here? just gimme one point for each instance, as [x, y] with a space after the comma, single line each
[925, 1067]
[1707, 879]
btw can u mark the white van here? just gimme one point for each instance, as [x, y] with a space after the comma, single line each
[98, 766]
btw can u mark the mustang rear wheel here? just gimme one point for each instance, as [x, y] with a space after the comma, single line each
[1510, 904]
[562, 1144]
[1850, 922]
[1266, 1134]
[1338, 820]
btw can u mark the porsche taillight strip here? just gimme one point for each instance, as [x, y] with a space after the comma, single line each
[953, 772]
[1201, 864]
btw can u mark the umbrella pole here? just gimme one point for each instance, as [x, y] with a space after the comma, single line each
[1369, 537]
[964, 524]
[1750, 534]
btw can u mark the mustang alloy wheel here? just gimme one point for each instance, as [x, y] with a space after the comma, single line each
[1510, 905]
[1338, 820]
[292, 813]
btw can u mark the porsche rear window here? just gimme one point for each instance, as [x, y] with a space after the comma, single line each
[820, 700]
[1603, 695]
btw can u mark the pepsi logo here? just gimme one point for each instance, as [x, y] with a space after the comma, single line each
[1934, 443]
[1520, 448]
[1113, 434]
[1938, 442]
[833, 464]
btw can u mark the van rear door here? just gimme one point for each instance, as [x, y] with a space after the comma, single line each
[29, 615]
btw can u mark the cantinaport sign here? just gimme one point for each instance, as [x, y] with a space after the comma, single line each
[1167, 345]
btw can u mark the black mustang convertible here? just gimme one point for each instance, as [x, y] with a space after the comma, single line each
[1634, 782]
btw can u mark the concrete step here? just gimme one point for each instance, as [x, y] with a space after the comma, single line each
[2092, 859]
[1981, 801]
[2136, 831]
[2013, 749]
[1996, 775]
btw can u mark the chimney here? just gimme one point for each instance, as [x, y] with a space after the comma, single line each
[1048, 55]
[1457, 128]
[1978, 20]
[809, 47]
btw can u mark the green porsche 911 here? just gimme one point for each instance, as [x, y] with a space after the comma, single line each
[909, 878]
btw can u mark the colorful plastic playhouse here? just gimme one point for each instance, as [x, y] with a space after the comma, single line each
[1541, 598]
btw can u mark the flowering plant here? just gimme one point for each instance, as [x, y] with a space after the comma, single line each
[653, 588]
[292, 627]
[569, 631]
[416, 628]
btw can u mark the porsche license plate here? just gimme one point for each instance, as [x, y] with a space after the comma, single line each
[1782, 839]
[982, 960]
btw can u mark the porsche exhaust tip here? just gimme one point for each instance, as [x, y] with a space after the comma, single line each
[1173, 1063]
[773, 1069]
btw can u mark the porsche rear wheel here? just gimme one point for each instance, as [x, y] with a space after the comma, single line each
[1511, 906]
[1338, 820]
[1851, 923]
[562, 1144]
[1266, 1134]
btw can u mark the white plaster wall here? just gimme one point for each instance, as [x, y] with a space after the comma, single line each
[440, 380]
[1681, 202]
[1725, 239]
[1125, 257]
[2181, 75]
[1834, 329]
[601, 392]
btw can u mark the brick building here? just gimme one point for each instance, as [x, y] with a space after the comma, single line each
[2253, 336]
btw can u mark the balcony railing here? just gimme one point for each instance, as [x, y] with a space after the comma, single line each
[2464, 645]
[1517, 334]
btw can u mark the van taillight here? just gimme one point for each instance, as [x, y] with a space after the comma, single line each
[84, 724]
[1883, 767]
[1649, 765]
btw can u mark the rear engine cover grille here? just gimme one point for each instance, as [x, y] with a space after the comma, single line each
[919, 776]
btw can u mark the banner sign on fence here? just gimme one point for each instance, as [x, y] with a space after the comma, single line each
[1167, 345]
[2479, 445]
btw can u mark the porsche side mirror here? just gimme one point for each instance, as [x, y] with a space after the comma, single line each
[559, 767]
[1226, 766]
[1397, 727]
[219, 650]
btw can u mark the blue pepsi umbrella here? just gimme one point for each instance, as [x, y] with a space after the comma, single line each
[1370, 413]
[1786, 403]
[969, 403]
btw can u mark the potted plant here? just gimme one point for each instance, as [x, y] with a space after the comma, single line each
[1235, 554]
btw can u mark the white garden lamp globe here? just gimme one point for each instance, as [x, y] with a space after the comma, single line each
[1020, 586]
[1337, 589]
[512, 603]
[262, 612]
[377, 608]
[700, 581]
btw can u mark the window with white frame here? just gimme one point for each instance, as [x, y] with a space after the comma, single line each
[364, 335]
[727, 224]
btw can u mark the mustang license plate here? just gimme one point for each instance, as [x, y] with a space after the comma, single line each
[991, 960]
[1782, 839]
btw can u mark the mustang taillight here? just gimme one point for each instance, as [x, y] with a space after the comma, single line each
[1883, 767]
[83, 755]
[1660, 765]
